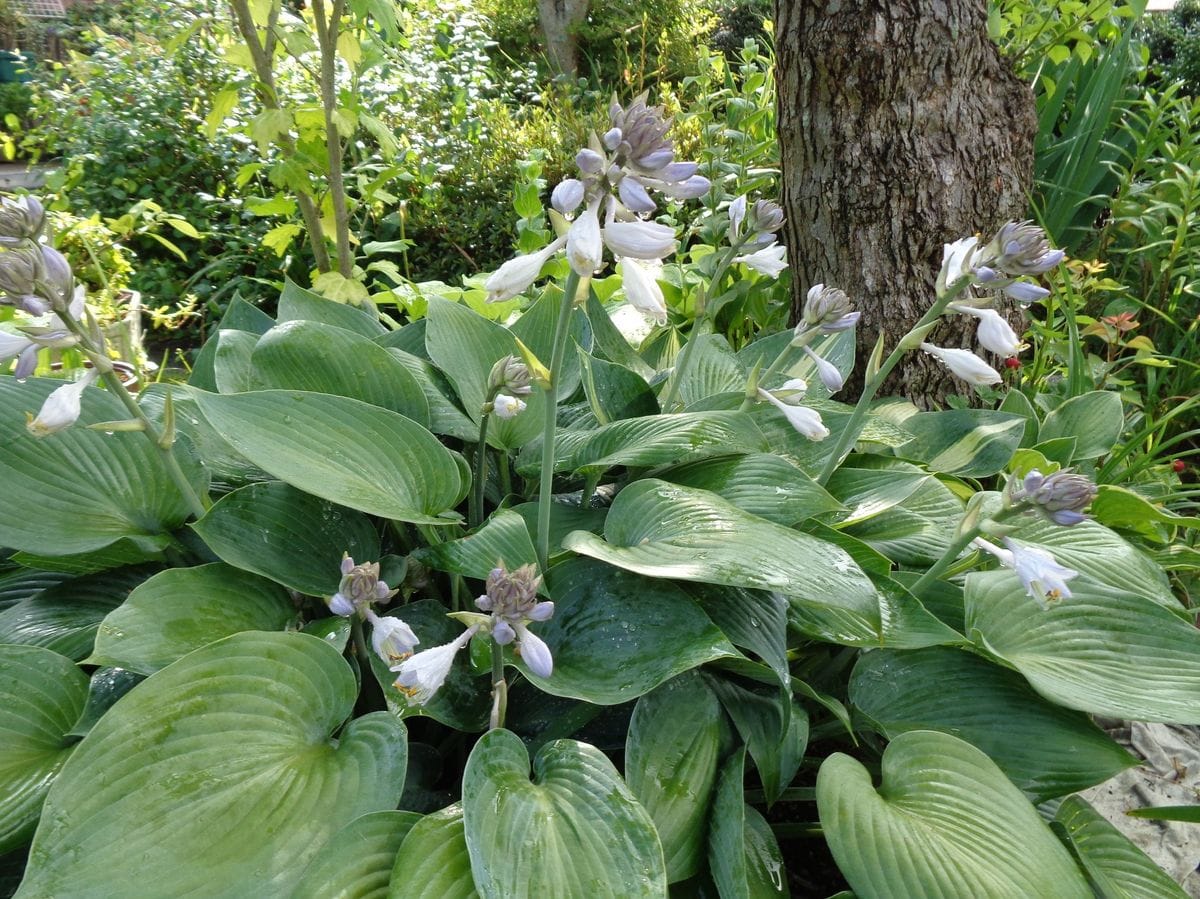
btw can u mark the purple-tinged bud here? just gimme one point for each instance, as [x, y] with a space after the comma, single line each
[20, 270]
[534, 652]
[57, 277]
[1061, 496]
[827, 308]
[503, 632]
[679, 171]
[511, 376]
[567, 195]
[611, 138]
[634, 196]
[359, 587]
[655, 160]
[690, 189]
[589, 161]
[21, 218]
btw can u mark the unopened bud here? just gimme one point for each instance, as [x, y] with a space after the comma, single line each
[510, 375]
[21, 218]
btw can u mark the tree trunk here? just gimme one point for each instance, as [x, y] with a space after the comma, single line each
[559, 20]
[901, 129]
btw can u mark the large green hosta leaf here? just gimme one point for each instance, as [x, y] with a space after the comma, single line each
[1094, 419]
[357, 862]
[967, 442]
[182, 609]
[1118, 869]
[669, 531]
[1105, 651]
[298, 304]
[433, 859]
[742, 852]
[342, 450]
[671, 756]
[287, 535]
[1044, 749]
[945, 822]
[80, 490]
[217, 773]
[503, 538]
[615, 636]
[310, 356]
[653, 440]
[41, 696]
[574, 830]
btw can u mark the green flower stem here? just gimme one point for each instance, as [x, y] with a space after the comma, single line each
[197, 505]
[360, 640]
[562, 328]
[802, 340]
[499, 686]
[853, 427]
[702, 326]
[949, 557]
[475, 512]
[505, 476]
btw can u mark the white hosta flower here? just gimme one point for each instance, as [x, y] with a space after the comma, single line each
[13, 345]
[517, 274]
[1043, 578]
[964, 364]
[737, 214]
[806, 421]
[422, 675]
[642, 290]
[769, 261]
[534, 651]
[956, 262]
[585, 248]
[827, 372]
[640, 240]
[567, 195]
[391, 638]
[994, 333]
[506, 406]
[61, 408]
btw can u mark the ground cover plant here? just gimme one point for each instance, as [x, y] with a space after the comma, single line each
[306, 621]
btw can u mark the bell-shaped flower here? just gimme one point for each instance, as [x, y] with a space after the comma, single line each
[391, 638]
[634, 195]
[957, 259]
[517, 274]
[829, 374]
[567, 195]
[964, 364]
[994, 333]
[1025, 292]
[422, 675]
[534, 651]
[640, 240]
[585, 248]
[1042, 576]
[61, 408]
[506, 406]
[806, 421]
[769, 261]
[737, 213]
[642, 291]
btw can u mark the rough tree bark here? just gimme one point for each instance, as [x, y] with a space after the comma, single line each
[559, 20]
[901, 128]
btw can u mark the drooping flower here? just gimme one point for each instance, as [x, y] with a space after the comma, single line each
[829, 374]
[392, 639]
[994, 333]
[360, 586]
[585, 248]
[516, 275]
[534, 651]
[642, 290]
[61, 408]
[1044, 579]
[506, 406]
[769, 261]
[422, 675]
[964, 364]
[22, 348]
[1061, 496]
[639, 240]
[806, 421]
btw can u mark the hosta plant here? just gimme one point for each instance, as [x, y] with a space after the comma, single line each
[463, 608]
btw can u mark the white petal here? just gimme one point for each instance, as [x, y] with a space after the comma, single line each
[964, 364]
[642, 291]
[535, 652]
[391, 638]
[641, 240]
[769, 261]
[737, 212]
[806, 421]
[518, 273]
[994, 333]
[61, 408]
[506, 406]
[13, 345]
[827, 372]
[585, 249]
[423, 674]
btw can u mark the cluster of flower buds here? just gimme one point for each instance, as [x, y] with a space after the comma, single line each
[509, 604]
[1043, 578]
[786, 399]
[973, 272]
[761, 222]
[360, 586]
[508, 381]
[617, 174]
[1061, 496]
[826, 310]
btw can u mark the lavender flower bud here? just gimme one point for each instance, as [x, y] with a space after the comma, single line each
[640, 240]
[567, 195]
[1061, 496]
[1021, 248]
[690, 189]
[585, 248]
[20, 269]
[679, 171]
[360, 586]
[57, 277]
[21, 218]
[611, 138]
[511, 376]
[827, 308]
[634, 196]
[589, 161]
